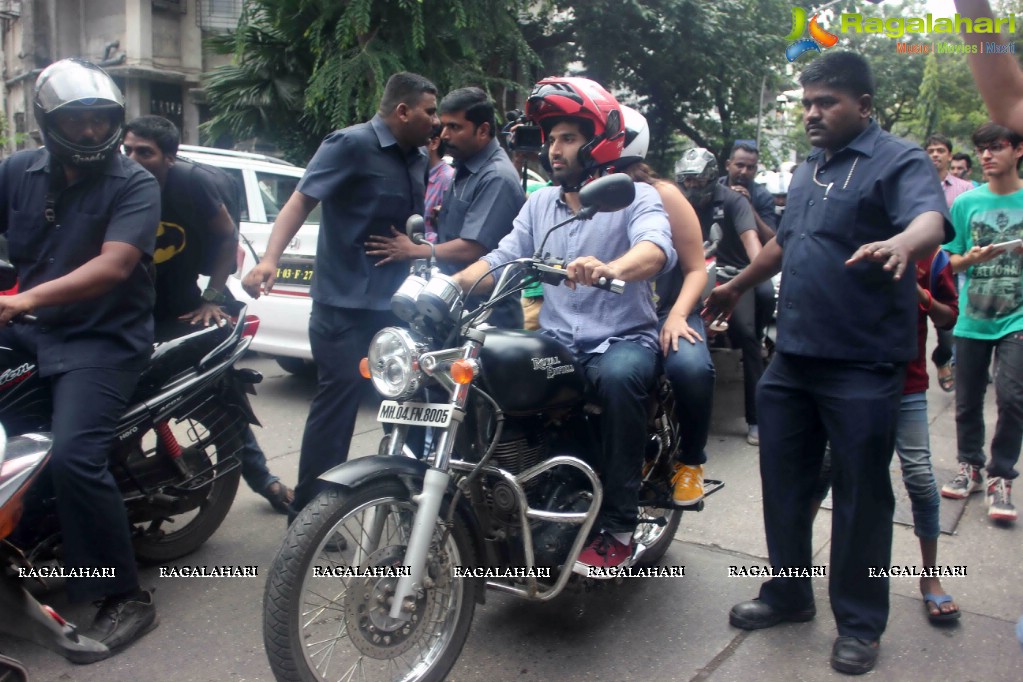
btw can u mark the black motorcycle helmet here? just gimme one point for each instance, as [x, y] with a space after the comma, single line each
[77, 85]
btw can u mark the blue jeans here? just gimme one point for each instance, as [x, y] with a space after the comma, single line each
[254, 469]
[913, 445]
[623, 377]
[691, 373]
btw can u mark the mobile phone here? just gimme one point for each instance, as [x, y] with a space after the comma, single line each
[1008, 246]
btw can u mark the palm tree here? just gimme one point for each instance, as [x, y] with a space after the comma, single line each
[304, 67]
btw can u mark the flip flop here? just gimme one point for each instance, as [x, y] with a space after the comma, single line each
[938, 600]
[946, 381]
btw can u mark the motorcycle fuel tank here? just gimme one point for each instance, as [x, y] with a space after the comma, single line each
[527, 372]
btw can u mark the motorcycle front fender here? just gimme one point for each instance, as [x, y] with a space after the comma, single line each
[410, 472]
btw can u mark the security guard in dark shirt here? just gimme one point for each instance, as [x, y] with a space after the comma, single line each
[478, 208]
[861, 209]
[370, 177]
[80, 220]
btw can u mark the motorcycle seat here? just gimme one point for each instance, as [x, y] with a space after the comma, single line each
[180, 355]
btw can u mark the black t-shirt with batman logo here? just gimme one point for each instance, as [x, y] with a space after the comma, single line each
[189, 201]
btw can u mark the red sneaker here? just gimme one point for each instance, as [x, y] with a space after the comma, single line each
[603, 552]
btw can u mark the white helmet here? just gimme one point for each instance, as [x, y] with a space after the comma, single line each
[777, 183]
[637, 137]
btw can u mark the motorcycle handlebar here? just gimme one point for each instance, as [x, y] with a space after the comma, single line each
[22, 318]
[615, 286]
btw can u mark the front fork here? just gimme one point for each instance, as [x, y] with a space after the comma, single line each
[435, 484]
[436, 479]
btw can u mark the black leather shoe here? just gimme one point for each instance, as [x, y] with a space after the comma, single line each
[853, 655]
[755, 614]
[121, 621]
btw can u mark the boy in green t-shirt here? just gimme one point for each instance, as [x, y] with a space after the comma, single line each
[989, 226]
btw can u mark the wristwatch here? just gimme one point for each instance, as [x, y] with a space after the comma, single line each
[211, 295]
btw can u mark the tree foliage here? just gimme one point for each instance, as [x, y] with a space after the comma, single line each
[897, 76]
[700, 71]
[301, 68]
[692, 67]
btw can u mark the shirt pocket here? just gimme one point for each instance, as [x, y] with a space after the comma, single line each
[23, 235]
[451, 217]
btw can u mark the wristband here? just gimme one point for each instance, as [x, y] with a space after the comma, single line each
[930, 302]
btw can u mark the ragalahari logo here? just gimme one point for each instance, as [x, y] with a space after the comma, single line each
[819, 38]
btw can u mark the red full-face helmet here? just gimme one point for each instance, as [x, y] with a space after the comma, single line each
[557, 98]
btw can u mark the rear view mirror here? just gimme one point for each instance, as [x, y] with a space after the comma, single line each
[607, 194]
[415, 226]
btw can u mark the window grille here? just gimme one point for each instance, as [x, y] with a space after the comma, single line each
[219, 15]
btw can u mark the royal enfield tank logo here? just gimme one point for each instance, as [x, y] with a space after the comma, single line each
[10, 377]
[552, 366]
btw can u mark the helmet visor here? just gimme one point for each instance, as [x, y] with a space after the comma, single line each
[78, 85]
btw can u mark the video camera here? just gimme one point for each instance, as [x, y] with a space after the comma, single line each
[522, 134]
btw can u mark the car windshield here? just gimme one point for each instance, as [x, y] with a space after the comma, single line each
[274, 190]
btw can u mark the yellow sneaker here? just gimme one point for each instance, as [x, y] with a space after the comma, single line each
[688, 482]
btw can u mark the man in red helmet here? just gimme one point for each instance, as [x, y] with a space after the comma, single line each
[614, 337]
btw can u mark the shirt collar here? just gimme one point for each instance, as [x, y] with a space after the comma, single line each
[384, 134]
[475, 162]
[863, 144]
[42, 162]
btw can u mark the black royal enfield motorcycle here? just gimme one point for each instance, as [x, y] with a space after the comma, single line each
[379, 575]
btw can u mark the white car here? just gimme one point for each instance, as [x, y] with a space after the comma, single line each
[284, 313]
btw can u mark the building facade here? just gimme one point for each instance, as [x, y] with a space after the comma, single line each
[152, 48]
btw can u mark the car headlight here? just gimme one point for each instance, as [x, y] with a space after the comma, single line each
[394, 363]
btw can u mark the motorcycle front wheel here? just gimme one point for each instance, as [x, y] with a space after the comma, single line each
[326, 618]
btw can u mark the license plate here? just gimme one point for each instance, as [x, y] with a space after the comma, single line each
[295, 272]
[415, 414]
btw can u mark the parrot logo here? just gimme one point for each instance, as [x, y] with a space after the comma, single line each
[170, 241]
[819, 38]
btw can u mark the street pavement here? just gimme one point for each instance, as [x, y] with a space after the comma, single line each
[657, 629]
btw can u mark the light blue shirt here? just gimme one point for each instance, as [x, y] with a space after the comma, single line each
[587, 319]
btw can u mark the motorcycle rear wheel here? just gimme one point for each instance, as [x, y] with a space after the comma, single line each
[319, 627]
[212, 432]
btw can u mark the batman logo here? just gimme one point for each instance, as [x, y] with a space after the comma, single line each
[170, 241]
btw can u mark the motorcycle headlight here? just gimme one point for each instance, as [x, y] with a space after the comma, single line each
[394, 363]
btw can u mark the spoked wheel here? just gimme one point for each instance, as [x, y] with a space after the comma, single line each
[326, 618]
[207, 436]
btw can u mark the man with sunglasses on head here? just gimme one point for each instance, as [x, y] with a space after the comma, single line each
[861, 209]
[991, 320]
